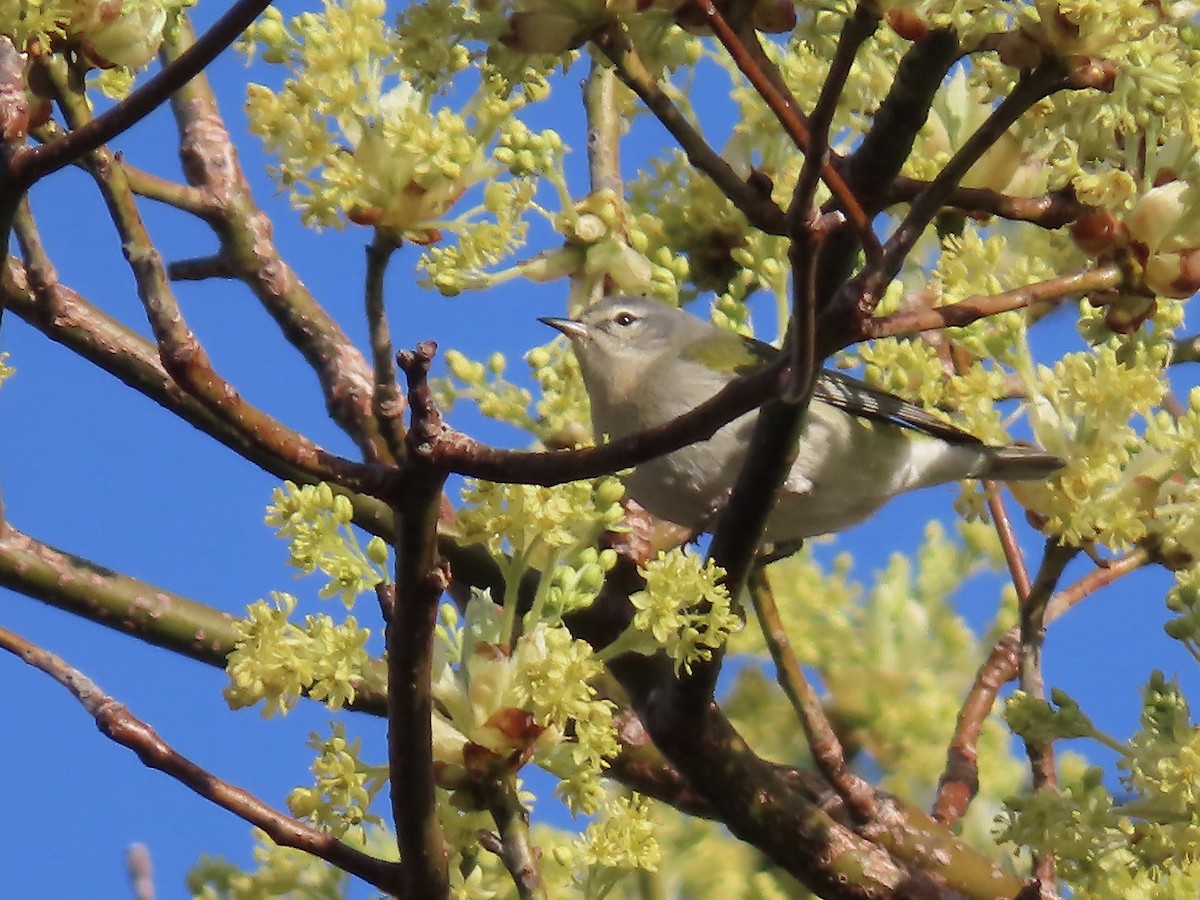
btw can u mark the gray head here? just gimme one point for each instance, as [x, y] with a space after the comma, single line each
[629, 351]
[620, 339]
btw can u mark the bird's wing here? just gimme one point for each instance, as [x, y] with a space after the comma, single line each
[851, 395]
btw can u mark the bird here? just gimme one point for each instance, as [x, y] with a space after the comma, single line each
[644, 363]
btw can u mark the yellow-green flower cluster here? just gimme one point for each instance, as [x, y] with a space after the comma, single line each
[430, 38]
[620, 841]
[1119, 486]
[1153, 53]
[604, 243]
[972, 263]
[1183, 599]
[531, 521]
[275, 661]
[280, 872]
[552, 680]
[561, 410]
[316, 523]
[707, 230]
[524, 152]
[6, 371]
[344, 788]
[497, 709]
[1088, 27]
[573, 587]
[1152, 835]
[484, 382]
[482, 242]
[562, 406]
[684, 610]
[358, 138]
[1095, 832]
[126, 33]
[1038, 721]
[872, 646]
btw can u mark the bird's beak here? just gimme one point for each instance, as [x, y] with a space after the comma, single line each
[572, 328]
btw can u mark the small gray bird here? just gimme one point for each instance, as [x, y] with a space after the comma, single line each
[644, 363]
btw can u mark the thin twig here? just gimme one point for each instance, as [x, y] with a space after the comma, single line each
[387, 403]
[747, 195]
[855, 31]
[116, 722]
[753, 65]
[517, 850]
[823, 741]
[1052, 210]
[68, 319]
[1033, 634]
[1035, 85]
[960, 780]
[202, 268]
[1103, 576]
[141, 872]
[153, 187]
[181, 196]
[1013, 556]
[972, 309]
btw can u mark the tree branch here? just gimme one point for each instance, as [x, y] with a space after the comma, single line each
[421, 577]
[116, 722]
[517, 851]
[823, 741]
[37, 162]
[153, 614]
[387, 405]
[864, 291]
[458, 453]
[181, 352]
[249, 251]
[748, 195]
[747, 55]
[972, 309]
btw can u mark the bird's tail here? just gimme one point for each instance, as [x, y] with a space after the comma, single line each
[1019, 462]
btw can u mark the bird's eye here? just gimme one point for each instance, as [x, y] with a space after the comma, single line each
[624, 319]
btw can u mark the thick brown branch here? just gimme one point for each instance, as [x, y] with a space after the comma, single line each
[182, 355]
[387, 404]
[421, 578]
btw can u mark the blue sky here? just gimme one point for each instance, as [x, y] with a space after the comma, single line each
[95, 469]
